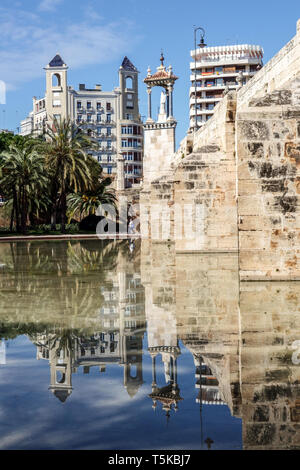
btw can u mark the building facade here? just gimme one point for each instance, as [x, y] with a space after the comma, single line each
[215, 70]
[112, 117]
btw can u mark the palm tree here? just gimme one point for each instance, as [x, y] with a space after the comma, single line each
[67, 163]
[89, 201]
[23, 181]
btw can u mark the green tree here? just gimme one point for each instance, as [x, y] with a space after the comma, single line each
[87, 202]
[67, 163]
[23, 181]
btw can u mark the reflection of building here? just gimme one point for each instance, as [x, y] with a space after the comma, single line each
[2, 352]
[208, 384]
[119, 339]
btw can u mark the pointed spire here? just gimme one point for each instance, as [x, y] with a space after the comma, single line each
[128, 65]
[56, 61]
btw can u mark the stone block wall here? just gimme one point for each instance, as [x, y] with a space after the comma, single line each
[270, 360]
[268, 152]
[239, 188]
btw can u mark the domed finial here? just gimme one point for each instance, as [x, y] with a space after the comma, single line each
[149, 71]
[162, 58]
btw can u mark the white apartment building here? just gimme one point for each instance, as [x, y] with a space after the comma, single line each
[112, 117]
[216, 69]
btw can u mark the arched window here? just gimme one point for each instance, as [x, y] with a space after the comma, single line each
[129, 82]
[56, 79]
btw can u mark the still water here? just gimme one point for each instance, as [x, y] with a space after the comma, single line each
[112, 345]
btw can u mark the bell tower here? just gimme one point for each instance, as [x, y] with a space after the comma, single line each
[61, 371]
[56, 89]
[159, 136]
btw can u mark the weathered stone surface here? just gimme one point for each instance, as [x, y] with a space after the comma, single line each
[279, 97]
[243, 175]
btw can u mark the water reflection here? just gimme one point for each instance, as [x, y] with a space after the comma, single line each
[185, 334]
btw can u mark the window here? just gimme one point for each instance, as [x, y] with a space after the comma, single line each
[129, 117]
[79, 104]
[108, 131]
[129, 105]
[108, 107]
[124, 142]
[89, 105]
[109, 170]
[89, 118]
[98, 117]
[108, 117]
[98, 106]
[98, 130]
[99, 158]
[129, 156]
[79, 117]
[129, 82]
[56, 79]
[109, 158]
[109, 144]
[210, 105]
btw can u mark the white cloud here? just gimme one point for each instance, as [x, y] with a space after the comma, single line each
[49, 5]
[28, 44]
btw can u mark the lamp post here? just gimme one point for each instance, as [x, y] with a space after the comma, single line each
[201, 44]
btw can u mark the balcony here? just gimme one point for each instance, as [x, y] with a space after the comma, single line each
[103, 149]
[211, 99]
[234, 60]
[201, 112]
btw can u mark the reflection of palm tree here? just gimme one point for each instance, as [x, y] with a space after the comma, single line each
[43, 281]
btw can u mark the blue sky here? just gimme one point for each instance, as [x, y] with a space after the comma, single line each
[93, 37]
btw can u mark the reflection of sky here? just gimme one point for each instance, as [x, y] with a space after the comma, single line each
[99, 414]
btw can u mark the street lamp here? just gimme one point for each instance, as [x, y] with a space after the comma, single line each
[201, 44]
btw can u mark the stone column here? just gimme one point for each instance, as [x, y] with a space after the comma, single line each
[149, 91]
[120, 173]
[168, 104]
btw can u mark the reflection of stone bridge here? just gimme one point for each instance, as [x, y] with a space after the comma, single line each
[241, 336]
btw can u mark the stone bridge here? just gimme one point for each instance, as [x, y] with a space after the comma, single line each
[234, 186]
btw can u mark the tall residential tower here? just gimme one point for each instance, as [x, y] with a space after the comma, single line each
[215, 69]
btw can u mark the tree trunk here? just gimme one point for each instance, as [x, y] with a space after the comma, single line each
[24, 213]
[53, 219]
[12, 217]
[63, 211]
[16, 204]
